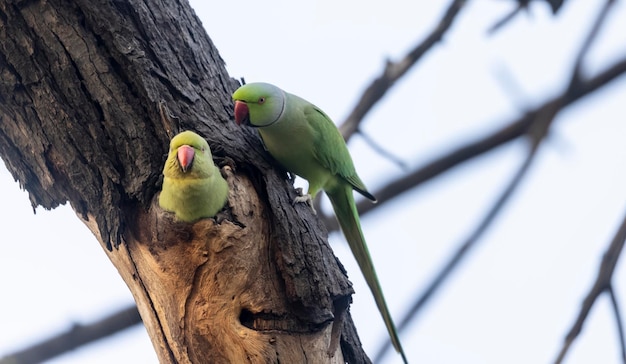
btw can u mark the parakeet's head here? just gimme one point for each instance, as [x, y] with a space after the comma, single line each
[258, 104]
[188, 153]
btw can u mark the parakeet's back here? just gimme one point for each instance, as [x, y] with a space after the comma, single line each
[306, 142]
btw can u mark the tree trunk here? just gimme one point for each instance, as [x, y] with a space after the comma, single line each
[81, 90]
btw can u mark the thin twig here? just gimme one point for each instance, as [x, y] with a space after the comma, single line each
[522, 5]
[618, 322]
[507, 18]
[602, 283]
[395, 70]
[382, 151]
[576, 77]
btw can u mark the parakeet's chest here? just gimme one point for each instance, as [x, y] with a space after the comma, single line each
[291, 141]
[187, 192]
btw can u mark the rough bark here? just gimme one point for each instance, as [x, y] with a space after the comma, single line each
[81, 83]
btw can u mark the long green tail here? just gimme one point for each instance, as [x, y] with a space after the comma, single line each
[348, 217]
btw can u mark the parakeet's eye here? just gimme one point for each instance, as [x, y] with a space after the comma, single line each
[261, 100]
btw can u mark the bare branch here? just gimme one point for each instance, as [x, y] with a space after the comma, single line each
[77, 336]
[486, 144]
[540, 124]
[395, 70]
[537, 133]
[602, 283]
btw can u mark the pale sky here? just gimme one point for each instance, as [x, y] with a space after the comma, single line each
[516, 296]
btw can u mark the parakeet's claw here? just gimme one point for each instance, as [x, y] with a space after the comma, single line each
[304, 198]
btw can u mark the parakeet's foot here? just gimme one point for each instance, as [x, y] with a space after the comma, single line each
[304, 198]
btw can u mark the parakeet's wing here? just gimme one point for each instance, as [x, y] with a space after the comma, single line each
[331, 150]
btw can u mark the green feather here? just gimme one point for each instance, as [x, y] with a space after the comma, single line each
[197, 191]
[306, 142]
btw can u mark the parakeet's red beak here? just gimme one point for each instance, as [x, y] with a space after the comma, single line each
[185, 156]
[242, 116]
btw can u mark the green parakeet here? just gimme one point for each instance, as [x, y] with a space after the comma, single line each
[193, 187]
[306, 142]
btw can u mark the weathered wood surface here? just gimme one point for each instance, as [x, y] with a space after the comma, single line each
[81, 83]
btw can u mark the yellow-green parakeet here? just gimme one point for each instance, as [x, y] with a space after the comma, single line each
[306, 142]
[193, 187]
